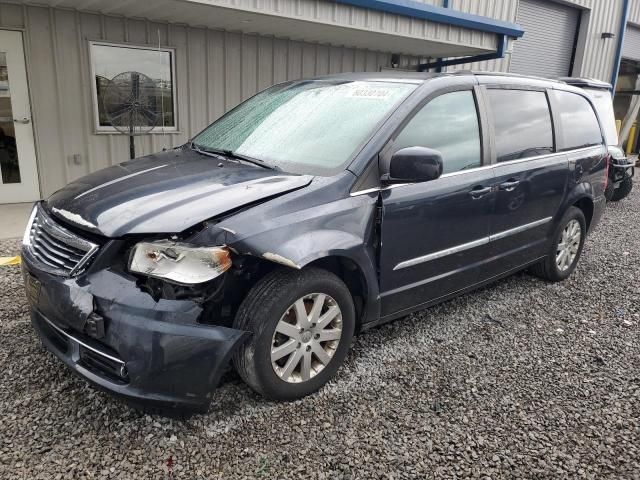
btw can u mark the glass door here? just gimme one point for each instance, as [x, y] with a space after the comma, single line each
[19, 175]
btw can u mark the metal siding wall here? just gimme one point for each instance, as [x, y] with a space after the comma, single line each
[498, 9]
[631, 47]
[597, 56]
[550, 32]
[634, 12]
[215, 70]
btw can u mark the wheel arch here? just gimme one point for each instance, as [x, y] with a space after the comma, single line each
[587, 206]
[352, 274]
[581, 196]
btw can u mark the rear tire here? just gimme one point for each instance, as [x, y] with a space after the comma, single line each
[624, 189]
[565, 249]
[302, 324]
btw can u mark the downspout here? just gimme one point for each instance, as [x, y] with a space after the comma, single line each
[500, 52]
[445, 4]
[618, 57]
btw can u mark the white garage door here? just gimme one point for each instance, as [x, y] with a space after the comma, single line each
[631, 48]
[546, 49]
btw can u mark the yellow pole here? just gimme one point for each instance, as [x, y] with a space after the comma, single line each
[632, 138]
[618, 126]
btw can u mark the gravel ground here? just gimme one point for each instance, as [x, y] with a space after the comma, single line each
[521, 379]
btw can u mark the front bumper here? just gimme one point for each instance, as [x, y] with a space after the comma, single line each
[151, 352]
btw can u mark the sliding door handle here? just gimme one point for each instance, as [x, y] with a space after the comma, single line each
[479, 192]
[510, 185]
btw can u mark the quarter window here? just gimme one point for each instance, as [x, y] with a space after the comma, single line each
[580, 127]
[448, 123]
[118, 70]
[522, 124]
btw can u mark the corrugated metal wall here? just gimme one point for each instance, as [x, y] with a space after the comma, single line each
[215, 71]
[634, 12]
[499, 9]
[632, 43]
[596, 55]
[546, 49]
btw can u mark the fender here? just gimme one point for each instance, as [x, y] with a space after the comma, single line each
[578, 192]
[344, 228]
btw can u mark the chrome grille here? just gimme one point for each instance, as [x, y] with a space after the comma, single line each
[55, 248]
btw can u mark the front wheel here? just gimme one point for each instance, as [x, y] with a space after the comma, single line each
[565, 249]
[302, 323]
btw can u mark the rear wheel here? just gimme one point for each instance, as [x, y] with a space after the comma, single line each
[302, 323]
[566, 247]
[624, 189]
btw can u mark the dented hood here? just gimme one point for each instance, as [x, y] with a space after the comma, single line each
[165, 193]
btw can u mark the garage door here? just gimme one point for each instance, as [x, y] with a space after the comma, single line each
[631, 48]
[546, 49]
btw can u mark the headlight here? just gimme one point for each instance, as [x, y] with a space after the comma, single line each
[179, 262]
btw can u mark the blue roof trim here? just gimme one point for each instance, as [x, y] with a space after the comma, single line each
[423, 11]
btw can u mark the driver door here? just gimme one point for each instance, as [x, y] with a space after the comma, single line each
[435, 235]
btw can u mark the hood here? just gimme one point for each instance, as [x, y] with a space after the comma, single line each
[165, 193]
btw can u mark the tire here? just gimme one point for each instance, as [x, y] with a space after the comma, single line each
[624, 189]
[548, 268]
[271, 304]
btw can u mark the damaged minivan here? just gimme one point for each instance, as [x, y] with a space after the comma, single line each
[314, 210]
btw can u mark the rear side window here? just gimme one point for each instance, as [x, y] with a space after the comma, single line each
[522, 124]
[580, 127]
[448, 123]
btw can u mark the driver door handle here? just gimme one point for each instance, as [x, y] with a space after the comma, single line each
[480, 191]
[25, 120]
[510, 185]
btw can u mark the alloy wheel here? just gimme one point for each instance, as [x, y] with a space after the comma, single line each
[567, 249]
[306, 338]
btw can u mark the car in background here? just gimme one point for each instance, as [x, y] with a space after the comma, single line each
[315, 209]
[621, 169]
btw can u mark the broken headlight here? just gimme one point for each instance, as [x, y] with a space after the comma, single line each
[179, 262]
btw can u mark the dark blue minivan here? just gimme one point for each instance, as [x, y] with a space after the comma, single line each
[316, 209]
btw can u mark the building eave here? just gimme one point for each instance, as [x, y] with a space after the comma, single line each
[448, 16]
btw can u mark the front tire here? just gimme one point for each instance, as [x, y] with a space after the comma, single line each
[565, 249]
[302, 324]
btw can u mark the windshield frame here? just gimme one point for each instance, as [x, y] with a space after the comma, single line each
[308, 169]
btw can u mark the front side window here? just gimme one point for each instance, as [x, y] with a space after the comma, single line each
[580, 127]
[311, 127]
[123, 72]
[449, 124]
[522, 124]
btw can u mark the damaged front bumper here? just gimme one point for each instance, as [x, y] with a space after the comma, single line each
[146, 351]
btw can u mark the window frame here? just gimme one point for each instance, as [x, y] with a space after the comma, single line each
[109, 130]
[556, 111]
[479, 102]
[490, 115]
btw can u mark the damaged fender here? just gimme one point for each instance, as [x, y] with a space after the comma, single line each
[344, 228]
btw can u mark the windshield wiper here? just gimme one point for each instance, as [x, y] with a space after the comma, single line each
[230, 154]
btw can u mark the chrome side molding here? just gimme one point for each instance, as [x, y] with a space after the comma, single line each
[475, 243]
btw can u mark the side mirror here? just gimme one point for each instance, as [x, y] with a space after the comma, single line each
[414, 164]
